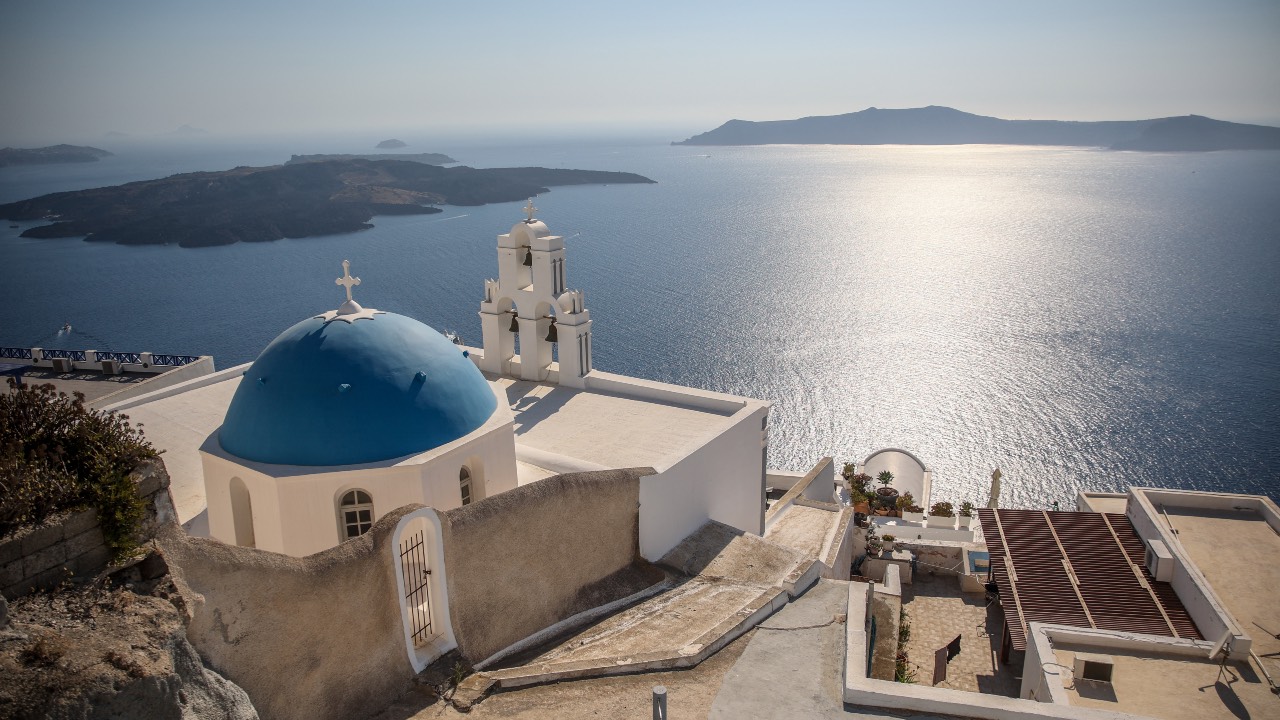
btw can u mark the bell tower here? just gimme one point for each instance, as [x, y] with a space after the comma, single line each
[530, 302]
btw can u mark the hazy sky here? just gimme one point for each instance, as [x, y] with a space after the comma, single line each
[75, 70]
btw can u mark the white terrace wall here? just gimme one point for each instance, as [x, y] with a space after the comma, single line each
[180, 374]
[722, 480]
[934, 701]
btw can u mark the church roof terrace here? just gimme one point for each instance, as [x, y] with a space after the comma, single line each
[610, 430]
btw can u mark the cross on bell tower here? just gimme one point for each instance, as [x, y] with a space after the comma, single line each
[529, 210]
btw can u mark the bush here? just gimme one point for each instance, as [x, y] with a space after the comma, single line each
[905, 501]
[942, 509]
[859, 482]
[56, 454]
[966, 509]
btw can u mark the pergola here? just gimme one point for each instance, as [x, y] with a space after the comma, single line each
[1077, 568]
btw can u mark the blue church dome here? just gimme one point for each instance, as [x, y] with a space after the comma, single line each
[341, 393]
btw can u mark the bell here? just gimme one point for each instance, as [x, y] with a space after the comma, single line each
[551, 333]
[515, 323]
[528, 258]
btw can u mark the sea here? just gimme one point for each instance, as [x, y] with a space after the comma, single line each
[1081, 319]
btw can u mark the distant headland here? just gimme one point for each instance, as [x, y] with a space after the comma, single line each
[51, 154]
[428, 158]
[936, 125]
[392, 144]
[255, 204]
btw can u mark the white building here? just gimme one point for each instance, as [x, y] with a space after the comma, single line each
[355, 412]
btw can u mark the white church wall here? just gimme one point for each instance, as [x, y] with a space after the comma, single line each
[722, 480]
[217, 487]
[296, 509]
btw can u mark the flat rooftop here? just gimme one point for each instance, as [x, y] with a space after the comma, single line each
[607, 430]
[94, 385]
[1173, 688]
[179, 425]
[1239, 554]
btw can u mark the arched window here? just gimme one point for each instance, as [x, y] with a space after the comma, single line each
[464, 482]
[355, 514]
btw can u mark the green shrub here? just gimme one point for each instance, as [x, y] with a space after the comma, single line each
[57, 454]
[942, 509]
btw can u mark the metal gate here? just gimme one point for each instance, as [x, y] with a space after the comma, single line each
[417, 590]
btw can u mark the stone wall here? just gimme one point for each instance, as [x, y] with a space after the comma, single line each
[71, 545]
[529, 558]
[321, 637]
[937, 557]
[307, 638]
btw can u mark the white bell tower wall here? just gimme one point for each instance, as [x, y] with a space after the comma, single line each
[530, 300]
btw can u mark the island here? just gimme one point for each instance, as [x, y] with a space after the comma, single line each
[256, 204]
[935, 125]
[391, 144]
[428, 158]
[50, 155]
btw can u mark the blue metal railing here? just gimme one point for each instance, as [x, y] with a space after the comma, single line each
[131, 358]
[123, 357]
[174, 360]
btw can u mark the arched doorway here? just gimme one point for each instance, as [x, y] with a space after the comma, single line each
[420, 578]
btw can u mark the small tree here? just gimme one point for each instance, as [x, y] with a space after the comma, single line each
[905, 501]
[942, 509]
[859, 483]
[856, 497]
[885, 478]
[848, 470]
[966, 509]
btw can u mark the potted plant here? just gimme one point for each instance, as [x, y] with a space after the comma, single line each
[848, 471]
[908, 509]
[884, 491]
[873, 540]
[886, 543]
[860, 502]
[941, 514]
[966, 514]
[859, 482]
[900, 503]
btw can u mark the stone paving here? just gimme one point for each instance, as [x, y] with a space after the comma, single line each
[938, 612]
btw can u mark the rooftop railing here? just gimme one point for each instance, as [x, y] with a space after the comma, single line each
[126, 358]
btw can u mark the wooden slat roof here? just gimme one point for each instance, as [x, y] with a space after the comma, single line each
[1081, 569]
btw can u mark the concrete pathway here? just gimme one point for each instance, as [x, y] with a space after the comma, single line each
[723, 582]
[794, 665]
